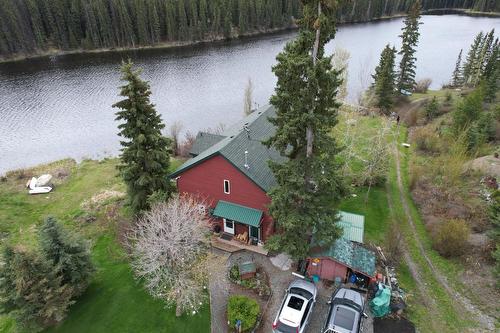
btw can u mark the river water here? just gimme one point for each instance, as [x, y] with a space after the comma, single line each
[58, 107]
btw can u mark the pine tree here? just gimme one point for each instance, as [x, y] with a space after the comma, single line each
[69, 254]
[31, 290]
[457, 78]
[385, 78]
[145, 156]
[472, 59]
[309, 184]
[491, 74]
[410, 35]
[431, 109]
[183, 31]
[483, 57]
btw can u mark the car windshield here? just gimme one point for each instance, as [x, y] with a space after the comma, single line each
[284, 328]
[344, 318]
[295, 303]
[301, 292]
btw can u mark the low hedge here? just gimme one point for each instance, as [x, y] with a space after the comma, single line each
[242, 308]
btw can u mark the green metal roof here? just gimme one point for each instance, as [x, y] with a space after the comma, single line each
[353, 226]
[238, 213]
[350, 254]
[204, 141]
[247, 135]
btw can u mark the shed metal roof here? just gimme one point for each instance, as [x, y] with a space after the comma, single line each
[247, 135]
[238, 213]
[353, 226]
[350, 254]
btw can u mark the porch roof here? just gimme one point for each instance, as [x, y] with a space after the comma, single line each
[238, 213]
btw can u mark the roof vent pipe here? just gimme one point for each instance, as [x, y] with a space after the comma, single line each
[246, 160]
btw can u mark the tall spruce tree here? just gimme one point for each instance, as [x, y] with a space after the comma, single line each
[472, 59]
[309, 185]
[385, 79]
[69, 254]
[31, 290]
[145, 156]
[410, 35]
[491, 74]
[457, 79]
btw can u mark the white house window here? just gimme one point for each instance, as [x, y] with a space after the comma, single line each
[227, 187]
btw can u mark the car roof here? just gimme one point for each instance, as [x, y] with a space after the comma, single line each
[291, 316]
[345, 312]
[306, 285]
[349, 294]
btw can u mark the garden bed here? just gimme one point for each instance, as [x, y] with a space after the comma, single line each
[257, 284]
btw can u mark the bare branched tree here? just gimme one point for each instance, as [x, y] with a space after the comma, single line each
[175, 131]
[187, 144]
[340, 62]
[365, 156]
[247, 102]
[376, 164]
[219, 129]
[366, 97]
[169, 246]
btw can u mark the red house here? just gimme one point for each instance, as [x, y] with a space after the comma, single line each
[230, 172]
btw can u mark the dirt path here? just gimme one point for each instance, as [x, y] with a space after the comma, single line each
[423, 292]
[487, 324]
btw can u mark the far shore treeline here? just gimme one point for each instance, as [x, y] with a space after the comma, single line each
[32, 27]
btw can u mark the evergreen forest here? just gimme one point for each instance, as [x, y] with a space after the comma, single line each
[30, 27]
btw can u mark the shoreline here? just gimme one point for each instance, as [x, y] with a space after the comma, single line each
[219, 39]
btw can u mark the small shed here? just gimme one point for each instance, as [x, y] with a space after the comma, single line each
[337, 260]
[247, 270]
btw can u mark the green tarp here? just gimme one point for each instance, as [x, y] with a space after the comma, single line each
[380, 303]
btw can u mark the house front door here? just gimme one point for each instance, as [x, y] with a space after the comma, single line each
[229, 226]
[253, 232]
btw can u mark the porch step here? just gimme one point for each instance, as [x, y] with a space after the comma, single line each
[223, 245]
[226, 236]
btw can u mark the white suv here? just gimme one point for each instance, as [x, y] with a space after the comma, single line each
[296, 309]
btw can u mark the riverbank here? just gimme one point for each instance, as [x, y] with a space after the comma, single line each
[53, 52]
[162, 45]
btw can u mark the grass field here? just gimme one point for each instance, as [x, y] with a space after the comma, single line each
[115, 301]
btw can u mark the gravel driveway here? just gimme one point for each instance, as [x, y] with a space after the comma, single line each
[278, 280]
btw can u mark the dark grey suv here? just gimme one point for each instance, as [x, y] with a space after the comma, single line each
[346, 312]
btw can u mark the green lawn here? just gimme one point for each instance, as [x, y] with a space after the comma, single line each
[359, 137]
[114, 302]
[375, 211]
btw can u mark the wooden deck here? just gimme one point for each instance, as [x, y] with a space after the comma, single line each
[235, 246]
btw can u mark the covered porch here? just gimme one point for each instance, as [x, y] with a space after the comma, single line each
[240, 225]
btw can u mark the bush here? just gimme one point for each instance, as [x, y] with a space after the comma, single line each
[392, 246]
[234, 273]
[68, 253]
[432, 108]
[242, 308]
[426, 140]
[31, 290]
[448, 98]
[422, 86]
[450, 238]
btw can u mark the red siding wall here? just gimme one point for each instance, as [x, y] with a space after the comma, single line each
[327, 269]
[207, 181]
